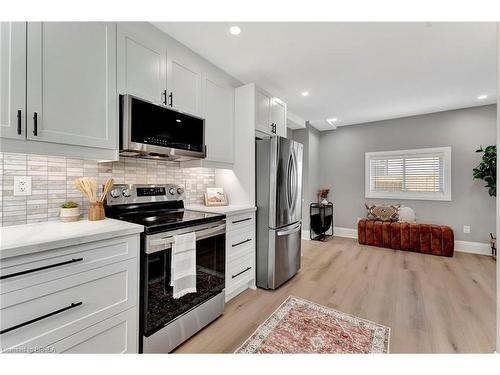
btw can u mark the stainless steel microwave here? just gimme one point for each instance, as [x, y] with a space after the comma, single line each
[154, 131]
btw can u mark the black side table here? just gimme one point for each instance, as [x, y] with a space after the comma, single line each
[321, 220]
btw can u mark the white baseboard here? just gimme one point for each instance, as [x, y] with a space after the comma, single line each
[345, 232]
[473, 247]
[337, 231]
[461, 246]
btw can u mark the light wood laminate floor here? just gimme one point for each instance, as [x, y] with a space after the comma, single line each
[432, 304]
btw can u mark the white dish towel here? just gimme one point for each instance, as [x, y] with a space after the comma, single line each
[183, 269]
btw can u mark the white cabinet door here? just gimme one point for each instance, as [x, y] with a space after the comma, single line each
[12, 79]
[263, 111]
[218, 111]
[278, 117]
[142, 66]
[184, 86]
[117, 334]
[71, 83]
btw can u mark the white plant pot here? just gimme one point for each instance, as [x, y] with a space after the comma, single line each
[70, 214]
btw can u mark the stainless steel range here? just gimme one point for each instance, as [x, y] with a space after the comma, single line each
[165, 322]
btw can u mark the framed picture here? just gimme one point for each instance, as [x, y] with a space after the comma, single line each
[215, 197]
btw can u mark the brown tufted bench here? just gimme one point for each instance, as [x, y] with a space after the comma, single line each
[420, 238]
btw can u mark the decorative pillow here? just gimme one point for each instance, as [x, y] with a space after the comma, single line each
[406, 215]
[382, 212]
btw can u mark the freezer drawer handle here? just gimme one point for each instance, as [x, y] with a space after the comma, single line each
[41, 268]
[241, 220]
[287, 232]
[239, 273]
[241, 243]
[73, 305]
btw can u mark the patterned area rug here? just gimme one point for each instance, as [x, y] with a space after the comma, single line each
[300, 326]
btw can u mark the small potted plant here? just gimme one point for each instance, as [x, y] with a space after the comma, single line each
[323, 196]
[70, 211]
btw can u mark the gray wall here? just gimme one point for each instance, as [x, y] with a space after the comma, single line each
[310, 138]
[342, 166]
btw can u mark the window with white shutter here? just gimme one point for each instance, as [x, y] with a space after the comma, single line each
[409, 174]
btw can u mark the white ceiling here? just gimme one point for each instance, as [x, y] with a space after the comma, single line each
[355, 72]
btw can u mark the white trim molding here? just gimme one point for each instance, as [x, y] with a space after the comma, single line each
[444, 195]
[345, 232]
[480, 248]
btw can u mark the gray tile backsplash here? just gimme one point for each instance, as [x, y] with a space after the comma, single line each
[52, 182]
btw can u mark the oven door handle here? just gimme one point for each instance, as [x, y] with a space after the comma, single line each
[159, 244]
[210, 232]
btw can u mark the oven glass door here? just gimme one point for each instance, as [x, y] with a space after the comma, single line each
[160, 307]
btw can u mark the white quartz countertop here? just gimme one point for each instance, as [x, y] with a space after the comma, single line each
[30, 238]
[228, 210]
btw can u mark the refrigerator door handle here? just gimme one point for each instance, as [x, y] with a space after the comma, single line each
[290, 231]
[294, 183]
[289, 182]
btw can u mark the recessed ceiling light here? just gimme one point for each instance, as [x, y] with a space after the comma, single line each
[235, 30]
[333, 119]
[305, 93]
[482, 97]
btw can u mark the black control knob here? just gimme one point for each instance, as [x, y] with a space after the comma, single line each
[180, 191]
[126, 193]
[171, 191]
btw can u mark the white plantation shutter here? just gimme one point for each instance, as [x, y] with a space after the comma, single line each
[409, 174]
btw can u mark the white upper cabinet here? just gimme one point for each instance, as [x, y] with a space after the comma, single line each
[270, 112]
[142, 64]
[71, 83]
[12, 80]
[218, 105]
[263, 111]
[184, 82]
[278, 117]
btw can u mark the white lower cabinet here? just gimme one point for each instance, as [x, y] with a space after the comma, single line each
[240, 253]
[86, 304]
[117, 334]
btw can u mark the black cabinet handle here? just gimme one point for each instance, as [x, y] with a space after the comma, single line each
[41, 268]
[171, 97]
[73, 305]
[35, 124]
[242, 242]
[241, 220]
[239, 273]
[19, 122]
[164, 94]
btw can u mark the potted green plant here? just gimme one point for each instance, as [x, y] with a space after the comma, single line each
[70, 211]
[487, 169]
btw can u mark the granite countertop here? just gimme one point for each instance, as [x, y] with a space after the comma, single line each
[24, 239]
[228, 210]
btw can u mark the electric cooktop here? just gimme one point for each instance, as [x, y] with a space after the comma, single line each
[158, 208]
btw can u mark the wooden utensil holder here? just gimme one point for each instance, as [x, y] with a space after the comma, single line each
[96, 211]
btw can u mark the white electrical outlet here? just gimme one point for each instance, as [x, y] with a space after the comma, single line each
[22, 185]
[467, 229]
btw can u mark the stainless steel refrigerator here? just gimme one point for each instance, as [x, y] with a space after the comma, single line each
[279, 210]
